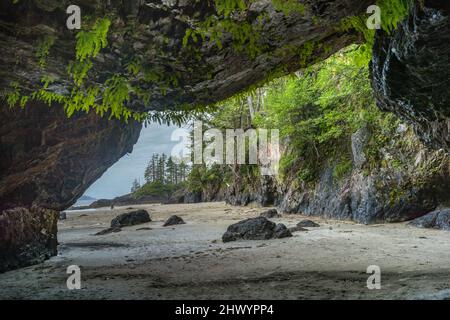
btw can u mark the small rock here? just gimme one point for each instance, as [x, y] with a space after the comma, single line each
[307, 224]
[131, 218]
[141, 229]
[173, 220]
[281, 231]
[272, 213]
[108, 231]
[62, 215]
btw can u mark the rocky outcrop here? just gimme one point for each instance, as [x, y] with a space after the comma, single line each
[255, 229]
[46, 162]
[411, 181]
[410, 71]
[439, 219]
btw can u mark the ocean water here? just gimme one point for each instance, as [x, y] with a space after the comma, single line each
[82, 203]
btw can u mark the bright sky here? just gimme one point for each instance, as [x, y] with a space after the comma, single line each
[118, 179]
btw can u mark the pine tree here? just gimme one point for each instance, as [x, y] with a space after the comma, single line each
[170, 171]
[135, 186]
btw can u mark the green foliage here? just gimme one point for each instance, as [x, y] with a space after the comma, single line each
[156, 188]
[317, 112]
[89, 43]
[392, 13]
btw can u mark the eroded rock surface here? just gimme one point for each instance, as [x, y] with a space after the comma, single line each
[411, 70]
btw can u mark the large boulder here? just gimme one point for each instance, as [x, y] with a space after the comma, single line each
[255, 229]
[130, 219]
[439, 219]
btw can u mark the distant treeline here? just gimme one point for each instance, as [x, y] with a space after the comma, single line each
[162, 175]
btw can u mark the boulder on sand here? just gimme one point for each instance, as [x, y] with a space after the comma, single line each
[269, 214]
[255, 229]
[439, 219]
[130, 219]
[173, 220]
[307, 224]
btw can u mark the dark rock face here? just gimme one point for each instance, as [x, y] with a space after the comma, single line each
[27, 236]
[410, 72]
[391, 193]
[439, 219]
[269, 214]
[255, 229]
[173, 220]
[307, 224]
[130, 219]
[46, 162]
[108, 231]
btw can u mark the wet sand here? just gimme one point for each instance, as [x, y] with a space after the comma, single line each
[191, 262]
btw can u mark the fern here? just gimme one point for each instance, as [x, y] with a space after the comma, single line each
[89, 43]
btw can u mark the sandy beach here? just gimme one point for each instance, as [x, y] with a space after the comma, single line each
[190, 261]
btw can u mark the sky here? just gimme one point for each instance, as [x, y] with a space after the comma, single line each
[118, 179]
